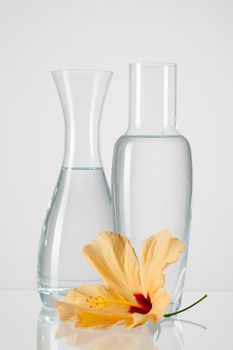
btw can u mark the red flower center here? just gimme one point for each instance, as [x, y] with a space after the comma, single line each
[144, 304]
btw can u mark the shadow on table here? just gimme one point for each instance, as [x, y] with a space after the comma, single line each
[55, 335]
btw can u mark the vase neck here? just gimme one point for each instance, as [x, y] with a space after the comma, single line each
[152, 109]
[82, 95]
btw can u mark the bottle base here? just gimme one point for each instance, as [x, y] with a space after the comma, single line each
[50, 296]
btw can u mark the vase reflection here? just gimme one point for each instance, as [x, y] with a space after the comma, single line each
[54, 335]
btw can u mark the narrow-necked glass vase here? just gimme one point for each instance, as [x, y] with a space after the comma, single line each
[152, 167]
[80, 207]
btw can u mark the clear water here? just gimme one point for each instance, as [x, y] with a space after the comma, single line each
[79, 210]
[152, 188]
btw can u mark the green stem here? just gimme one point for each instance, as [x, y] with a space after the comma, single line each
[189, 307]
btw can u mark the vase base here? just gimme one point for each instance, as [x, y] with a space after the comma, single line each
[50, 296]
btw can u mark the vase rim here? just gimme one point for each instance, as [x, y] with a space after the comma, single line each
[153, 64]
[81, 71]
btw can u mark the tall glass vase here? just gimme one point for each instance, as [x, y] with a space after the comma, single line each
[152, 167]
[80, 207]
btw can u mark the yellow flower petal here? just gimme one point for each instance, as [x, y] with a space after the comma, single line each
[138, 320]
[132, 295]
[160, 302]
[100, 320]
[98, 297]
[157, 252]
[66, 312]
[114, 258]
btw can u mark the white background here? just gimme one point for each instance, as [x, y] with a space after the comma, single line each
[40, 36]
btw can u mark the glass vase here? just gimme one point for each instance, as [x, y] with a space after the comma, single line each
[152, 167]
[80, 207]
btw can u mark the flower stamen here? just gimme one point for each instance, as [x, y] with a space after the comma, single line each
[98, 302]
[101, 303]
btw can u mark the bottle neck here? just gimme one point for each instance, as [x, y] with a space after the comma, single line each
[82, 95]
[152, 109]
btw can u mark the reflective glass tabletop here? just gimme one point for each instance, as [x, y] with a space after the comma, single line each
[25, 324]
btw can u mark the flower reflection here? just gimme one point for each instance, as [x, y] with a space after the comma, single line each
[54, 335]
[114, 339]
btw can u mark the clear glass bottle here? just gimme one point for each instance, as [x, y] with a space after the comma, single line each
[152, 167]
[80, 207]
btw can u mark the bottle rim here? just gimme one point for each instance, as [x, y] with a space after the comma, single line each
[153, 64]
[81, 71]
